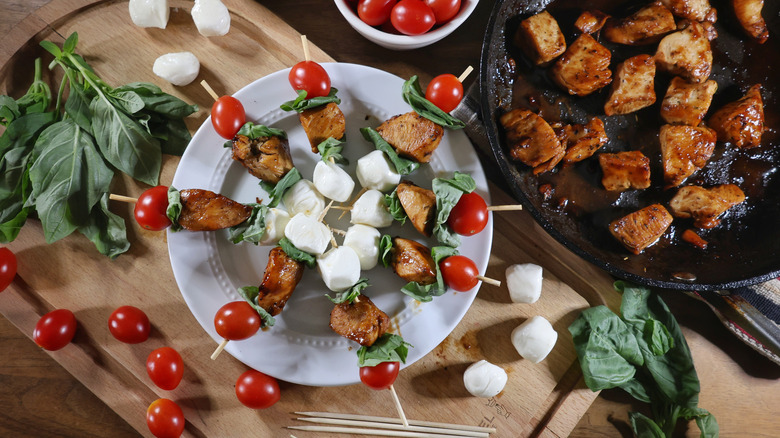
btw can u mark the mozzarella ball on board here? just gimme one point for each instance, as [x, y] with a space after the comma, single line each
[304, 198]
[375, 171]
[333, 181]
[483, 379]
[340, 268]
[534, 339]
[371, 209]
[149, 13]
[524, 282]
[211, 17]
[365, 241]
[308, 234]
[275, 221]
[179, 68]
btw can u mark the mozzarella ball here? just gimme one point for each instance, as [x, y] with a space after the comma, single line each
[340, 268]
[275, 222]
[149, 13]
[524, 282]
[371, 209]
[483, 379]
[534, 339]
[308, 234]
[179, 68]
[304, 198]
[333, 181]
[211, 17]
[375, 171]
[365, 241]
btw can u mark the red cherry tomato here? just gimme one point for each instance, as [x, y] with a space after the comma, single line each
[257, 390]
[375, 12]
[165, 368]
[412, 17]
[311, 77]
[236, 320]
[165, 419]
[55, 329]
[227, 116]
[445, 91]
[469, 216]
[129, 324]
[459, 272]
[7, 267]
[380, 376]
[443, 10]
[150, 209]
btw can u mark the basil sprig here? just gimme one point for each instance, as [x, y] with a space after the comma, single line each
[386, 250]
[251, 230]
[254, 131]
[330, 149]
[402, 165]
[425, 293]
[448, 193]
[413, 95]
[297, 254]
[387, 348]
[250, 294]
[395, 208]
[276, 191]
[174, 208]
[350, 294]
[301, 103]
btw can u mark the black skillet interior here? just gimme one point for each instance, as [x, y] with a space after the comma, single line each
[744, 249]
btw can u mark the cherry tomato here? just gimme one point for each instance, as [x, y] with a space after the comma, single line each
[380, 376]
[375, 12]
[445, 91]
[227, 116]
[257, 390]
[236, 320]
[165, 419]
[150, 209]
[311, 77]
[443, 10]
[7, 267]
[55, 329]
[129, 324]
[165, 368]
[469, 216]
[412, 17]
[459, 272]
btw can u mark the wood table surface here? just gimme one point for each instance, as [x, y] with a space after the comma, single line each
[742, 388]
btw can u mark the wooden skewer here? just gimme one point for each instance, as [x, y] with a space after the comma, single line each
[374, 432]
[209, 90]
[392, 426]
[359, 194]
[305, 43]
[505, 207]
[489, 281]
[394, 420]
[398, 407]
[465, 74]
[122, 198]
[219, 349]
[324, 212]
[339, 232]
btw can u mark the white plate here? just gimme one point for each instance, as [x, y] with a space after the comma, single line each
[300, 347]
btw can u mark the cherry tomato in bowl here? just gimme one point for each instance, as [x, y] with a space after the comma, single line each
[459, 272]
[445, 91]
[469, 216]
[8, 267]
[150, 209]
[55, 329]
[380, 376]
[256, 390]
[412, 17]
[165, 419]
[311, 77]
[165, 367]
[227, 116]
[236, 320]
[443, 10]
[375, 12]
[129, 324]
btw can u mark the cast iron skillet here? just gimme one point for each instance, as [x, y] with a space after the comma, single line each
[744, 249]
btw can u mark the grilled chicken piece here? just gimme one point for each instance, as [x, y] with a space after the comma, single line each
[530, 138]
[625, 170]
[540, 38]
[419, 204]
[412, 135]
[741, 123]
[645, 26]
[591, 21]
[323, 122]
[686, 53]
[748, 14]
[705, 206]
[684, 150]
[584, 67]
[686, 103]
[581, 141]
[633, 87]
[412, 261]
[282, 275]
[267, 158]
[642, 228]
[696, 10]
[360, 321]
[204, 210]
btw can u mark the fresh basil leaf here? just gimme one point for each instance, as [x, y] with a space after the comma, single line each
[386, 250]
[413, 95]
[128, 101]
[706, 422]
[51, 48]
[251, 230]
[174, 208]
[301, 103]
[70, 43]
[297, 254]
[636, 389]
[448, 193]
[77, 108]
[330, 149]
[657, 337]
[276, 191]
[395, 208]
[645, 427]
[350, 294]
[10, 229]
[250, 294]
[425, 293]
[254, 131]
[173, 134]
[402, 165]
[106, 230]
[158, 101]
[387, 348]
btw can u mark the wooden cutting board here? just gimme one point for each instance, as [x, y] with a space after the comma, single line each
[544, 399]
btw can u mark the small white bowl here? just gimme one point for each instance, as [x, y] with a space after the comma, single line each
[405, 42]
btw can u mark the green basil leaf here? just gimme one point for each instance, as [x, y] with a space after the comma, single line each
[708, 425]
[448, 193]
[158, 101]
[253, 229]
[106, 230]
[395, 208]
[657, 337]
[276, 191]
[254, 131]
[250, 294]
[402, 165]
[10, 229]
[413, 95]
[128, 101]
[173, 134]
[386, 250]
[330, 149]
[77, 108]
[297, 254]
[636, 389]
[301, 103]
[645, 427]
[350, 294]
[51, 48]
[70, 43]
[387, 348]
[174, 208]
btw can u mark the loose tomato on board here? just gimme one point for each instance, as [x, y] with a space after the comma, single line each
[443, 10]
[150, 209]
[227, 116]
[445, 91]
[55, 329]
[165, 419]
[412, 17]
[165, 368]
[375, 12]
[311, 77]
[256, 390]
[8, 267]
[236, 320]
[469, 216]
[380, 376]
[459, 272]
[129, 324]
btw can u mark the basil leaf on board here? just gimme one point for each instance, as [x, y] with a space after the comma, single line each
[173, 134]
[349, 295]
[250, 294]
[254, 131]
[657, 337]
[301, 103]
[276, 191]
[297, 254]
[425, 293]
[106, 230]
[402, 165]
[448, 193]
[644, 427]
[174, 208]
[128, 101]
[395, 208]
[77, 108]
[387, 348]
[157, 101]
[413, 95]
[386, 250]
[251, 230]
[330, 149]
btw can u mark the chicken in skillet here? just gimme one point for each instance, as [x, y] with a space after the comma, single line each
[695, 10]
[642, 228]
[583, 68]
[625, 170]
[412, 135]
[282, 275]
[323, 122]
[360, 321]
[267, 158]
[645, 26]
[684, 150]
[686, 53]
[748, 14]
[540, 38]
[591, 21]
[204, 210]
[581, 141]
[705, 206]
[741, 123]
[633, 87]
[686, 103]
[531, 140]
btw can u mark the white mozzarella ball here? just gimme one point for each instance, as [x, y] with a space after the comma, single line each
[179, 68]
[304, 198]
[275, 222]
[483, 379]
[340, 268]
[333, 181]
[371, 209]
[524, 282]
[308, 234]
[534, 339]
[375, 171]
[149, 13]
[211, 17]
[365, 241]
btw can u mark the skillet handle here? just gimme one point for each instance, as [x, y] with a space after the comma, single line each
[469, 111]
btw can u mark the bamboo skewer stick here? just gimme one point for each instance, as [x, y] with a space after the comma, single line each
[465, 74]
[393, 426]
[374, 432]
[122, 198]
[398, 407]
[219, 349]
[489, 280]
[305, 43]
[209, 90]
[395, 421]
[505, 207]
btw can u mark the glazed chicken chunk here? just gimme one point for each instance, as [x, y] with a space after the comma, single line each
[625, 170]
[204, 210]
[591, 21]
[633, 87]
[748, 14]
[360, 321]
[540, 38]
[741, 123]
[642, 228]
[696, 10]
[531, 139]
[412, 135]
[323, 122]
[583, 68]
[412, 261]
[686, 53]
[686, 103]
[267, 158]
[705, 206]
[645, 26]
[684, 150]
[282, 275]
[581, 141]
[419, 204]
